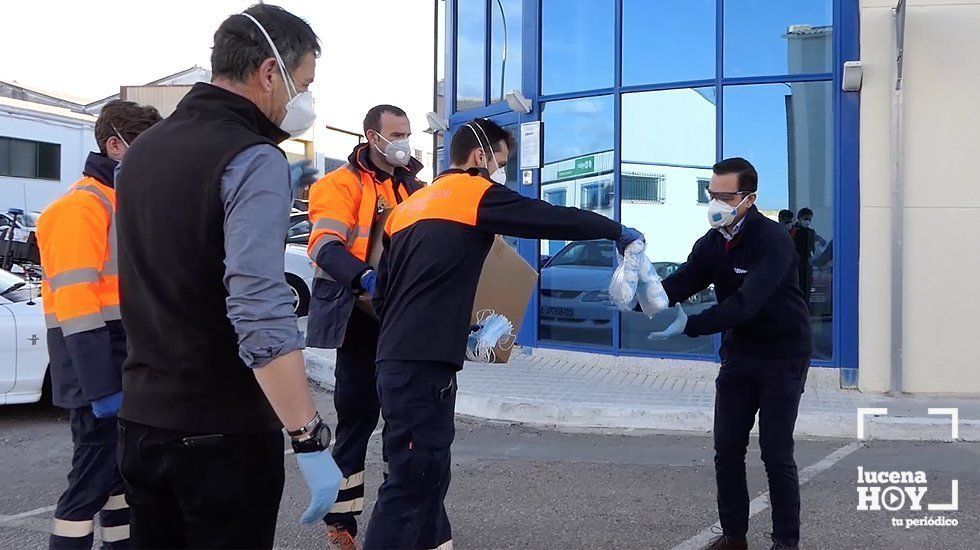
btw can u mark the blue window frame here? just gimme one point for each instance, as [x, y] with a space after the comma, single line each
[804, 44]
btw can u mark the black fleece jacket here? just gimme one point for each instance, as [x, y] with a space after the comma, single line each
[761, 311]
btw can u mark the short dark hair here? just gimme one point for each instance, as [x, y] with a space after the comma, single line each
[240, 47]
[125, 117]
[785, 215]
[748, 178]
[805, 212]
[372, 120]
[466, 140]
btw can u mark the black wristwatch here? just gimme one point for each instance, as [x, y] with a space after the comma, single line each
[317, 439]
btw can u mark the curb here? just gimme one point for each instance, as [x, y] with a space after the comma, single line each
[587, 416]
[605, 417]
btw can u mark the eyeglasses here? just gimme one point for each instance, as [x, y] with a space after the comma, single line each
[723, 197]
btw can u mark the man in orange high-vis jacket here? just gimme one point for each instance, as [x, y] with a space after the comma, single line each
[346, 207]
[86, 341]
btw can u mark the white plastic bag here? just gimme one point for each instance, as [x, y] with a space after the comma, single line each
[622, 286]
[651, 294]
[635, 281]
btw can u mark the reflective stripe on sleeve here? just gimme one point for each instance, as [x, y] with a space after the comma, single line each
[330, 224]
[51, 320]
[82, 323]
[111, 313]
[73, 277]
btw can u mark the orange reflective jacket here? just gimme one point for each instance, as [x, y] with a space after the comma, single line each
[77, 239]
[345, 204]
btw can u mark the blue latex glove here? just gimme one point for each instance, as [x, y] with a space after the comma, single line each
[629, 235]
[369, 281]
[674, 329]
[301, 174]
[323, 478]
[108, 406]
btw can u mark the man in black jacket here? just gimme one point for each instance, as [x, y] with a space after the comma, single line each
[436, 243]
[765, 350]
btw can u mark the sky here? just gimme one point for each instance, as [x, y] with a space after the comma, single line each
[90, 48]
[381, 51]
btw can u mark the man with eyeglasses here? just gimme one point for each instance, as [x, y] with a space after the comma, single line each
[765, 350]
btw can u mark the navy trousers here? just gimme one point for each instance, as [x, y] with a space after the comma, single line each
[94, 487]
[772, 388]
[355, 399]
[418, 402]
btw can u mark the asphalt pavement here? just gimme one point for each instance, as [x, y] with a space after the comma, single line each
[521, 487]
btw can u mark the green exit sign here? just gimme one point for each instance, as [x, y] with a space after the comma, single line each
[583, 166]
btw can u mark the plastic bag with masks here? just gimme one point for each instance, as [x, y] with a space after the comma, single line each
[635, 281]
[492, 330]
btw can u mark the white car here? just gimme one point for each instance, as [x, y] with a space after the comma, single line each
[23, 341]
[299, 275]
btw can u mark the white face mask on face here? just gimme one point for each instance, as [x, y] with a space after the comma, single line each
[721, 214]
[397, 152]
[498, 176]
[299, 110]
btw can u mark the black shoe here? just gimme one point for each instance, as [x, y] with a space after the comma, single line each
[724, 542]
[776, 545]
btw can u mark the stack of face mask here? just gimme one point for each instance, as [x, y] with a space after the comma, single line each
[492, 330]
[635, 281]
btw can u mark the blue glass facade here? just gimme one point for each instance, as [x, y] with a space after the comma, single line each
[637, 99]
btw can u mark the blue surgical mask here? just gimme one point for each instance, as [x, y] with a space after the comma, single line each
[496, 331]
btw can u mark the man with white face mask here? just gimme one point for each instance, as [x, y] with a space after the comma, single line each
[765, 350]
[806, 240]
[347, 209]
[214, 368]
[436, 244]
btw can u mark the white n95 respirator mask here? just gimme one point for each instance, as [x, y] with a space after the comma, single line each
[299, 110]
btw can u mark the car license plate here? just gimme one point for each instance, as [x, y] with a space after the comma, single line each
[554, 311]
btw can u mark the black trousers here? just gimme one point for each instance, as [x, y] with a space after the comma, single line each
[355, 398]
[806, 278]
[418, 402]
[773, 388]
[94, 487]
[216, 491]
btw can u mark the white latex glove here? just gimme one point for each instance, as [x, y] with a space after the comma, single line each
[673, 329]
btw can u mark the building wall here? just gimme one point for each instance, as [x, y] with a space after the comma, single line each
[76, 140]
[941, 76]
[164, 98]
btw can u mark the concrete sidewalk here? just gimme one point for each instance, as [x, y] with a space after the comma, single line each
[582, 391]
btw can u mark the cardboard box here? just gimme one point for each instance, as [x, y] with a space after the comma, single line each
[506, 285]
